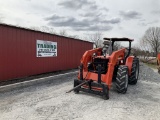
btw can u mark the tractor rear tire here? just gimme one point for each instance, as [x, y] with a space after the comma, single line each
[134, 72]
[122, 79]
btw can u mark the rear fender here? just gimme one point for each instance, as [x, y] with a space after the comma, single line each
[129, 62]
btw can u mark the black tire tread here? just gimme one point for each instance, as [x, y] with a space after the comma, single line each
[120, 79]
[132, 78]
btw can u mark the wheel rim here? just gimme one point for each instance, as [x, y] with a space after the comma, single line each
[136, 72]
[126, 84]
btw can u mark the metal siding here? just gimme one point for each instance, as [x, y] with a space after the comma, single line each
[18, 53]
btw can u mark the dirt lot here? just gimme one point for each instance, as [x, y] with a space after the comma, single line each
[50, 102]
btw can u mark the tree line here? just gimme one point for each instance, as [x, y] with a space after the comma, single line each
[149, 44]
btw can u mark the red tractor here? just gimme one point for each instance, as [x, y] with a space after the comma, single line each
[101, 66]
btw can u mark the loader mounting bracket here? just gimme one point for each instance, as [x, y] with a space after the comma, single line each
[92, 87]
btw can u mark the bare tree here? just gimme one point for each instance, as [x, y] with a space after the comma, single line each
[47, 29]
[63, 32]
[74, 36]
[35, 28]
[137, 51]
[96, 38]
[52, 31]
[151, 39]
[44, 28]
[144, 48]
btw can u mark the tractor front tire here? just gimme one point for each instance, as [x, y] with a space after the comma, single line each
[122, 79]
[134, 72]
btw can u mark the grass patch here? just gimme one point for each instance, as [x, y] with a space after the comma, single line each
[151, 65]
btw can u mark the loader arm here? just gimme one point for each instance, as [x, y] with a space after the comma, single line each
[114, 58]
[87, 57]
[117, 54]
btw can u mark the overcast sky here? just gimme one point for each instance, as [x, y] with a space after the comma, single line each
[114, 18]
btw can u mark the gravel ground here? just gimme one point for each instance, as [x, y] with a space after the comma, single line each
[50, 102]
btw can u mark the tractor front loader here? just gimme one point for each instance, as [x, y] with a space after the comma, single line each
[102, 66]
